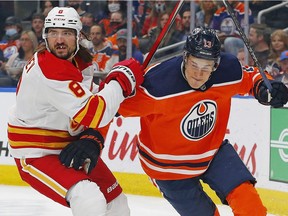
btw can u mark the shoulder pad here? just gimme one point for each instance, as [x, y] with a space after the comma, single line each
[58, 69]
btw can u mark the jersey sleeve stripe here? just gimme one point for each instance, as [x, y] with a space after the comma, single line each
[91, 114]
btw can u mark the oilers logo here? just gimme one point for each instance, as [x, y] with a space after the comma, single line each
[199, 121]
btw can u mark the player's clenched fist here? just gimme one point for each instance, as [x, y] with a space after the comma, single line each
[128, 74]
[83, 153]
[278, 96]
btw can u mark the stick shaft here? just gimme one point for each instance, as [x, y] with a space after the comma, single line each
[163, 33]
[246, 42]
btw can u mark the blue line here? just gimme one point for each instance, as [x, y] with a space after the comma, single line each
[8, 89]
[243, 97]
[12, 89]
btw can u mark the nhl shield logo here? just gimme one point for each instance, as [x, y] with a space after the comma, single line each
[199, 121]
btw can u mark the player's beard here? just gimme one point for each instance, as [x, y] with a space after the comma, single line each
[63, 54]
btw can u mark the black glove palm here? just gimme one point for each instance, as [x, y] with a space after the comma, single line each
[278, 96]
[83, 152]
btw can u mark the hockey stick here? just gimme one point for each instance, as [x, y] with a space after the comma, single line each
[246, 42]
[163, 33]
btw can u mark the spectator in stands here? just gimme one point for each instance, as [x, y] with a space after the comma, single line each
[185, 21]
[204, 17]
[187, 5]
[98, 9]
[101, 50]
[2, 66]
[259, 37]
[13, 29]
[151, 21]
[37, 24]
[141, 10]
[17, 61]
[10, 42]
[112, 7]
[121, 54]
[87, 21]
[241, 57]
[279, 43]
[48, 5]
[116, 5]
[147, 40]
[173, 36]
[284, 67]
[226, 29]
[119, 21]
[76, 4]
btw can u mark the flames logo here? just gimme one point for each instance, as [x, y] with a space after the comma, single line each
[199, 121]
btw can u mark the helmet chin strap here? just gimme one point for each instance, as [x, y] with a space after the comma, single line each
[185, 56]
[77, 47]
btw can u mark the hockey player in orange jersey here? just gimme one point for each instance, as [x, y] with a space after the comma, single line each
[184, 106]
[52, 129]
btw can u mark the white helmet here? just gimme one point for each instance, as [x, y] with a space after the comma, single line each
[63, 17]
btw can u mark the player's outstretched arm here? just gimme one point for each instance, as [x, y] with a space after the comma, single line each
[84, 152]
[278, 96]
[128, 74]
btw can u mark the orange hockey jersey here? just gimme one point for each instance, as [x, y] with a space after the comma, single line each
[183, 128]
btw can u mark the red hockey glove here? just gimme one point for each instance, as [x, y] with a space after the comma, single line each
[278, 96]
[83, 153]
[127, 73]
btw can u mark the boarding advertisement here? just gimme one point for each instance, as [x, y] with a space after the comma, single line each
[279, 145]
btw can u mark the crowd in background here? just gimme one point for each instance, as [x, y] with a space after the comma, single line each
[105, 33]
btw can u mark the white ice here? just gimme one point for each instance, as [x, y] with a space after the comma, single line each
[25, 201]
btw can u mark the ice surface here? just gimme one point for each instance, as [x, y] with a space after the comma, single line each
[25, 201]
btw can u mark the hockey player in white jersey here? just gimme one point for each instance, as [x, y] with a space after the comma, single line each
[51, 128]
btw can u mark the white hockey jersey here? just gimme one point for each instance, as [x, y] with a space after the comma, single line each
[55, 101]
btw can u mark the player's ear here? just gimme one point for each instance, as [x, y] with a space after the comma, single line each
[185, 56]
[217, 62]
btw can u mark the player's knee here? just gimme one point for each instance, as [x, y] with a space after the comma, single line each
[244, 200]
[85, 198]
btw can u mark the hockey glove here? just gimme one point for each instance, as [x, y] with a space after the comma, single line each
[278, 96]
[83, 153]
[127, 73]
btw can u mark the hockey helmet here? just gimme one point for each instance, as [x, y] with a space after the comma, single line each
[203, 43]
[63, 17]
